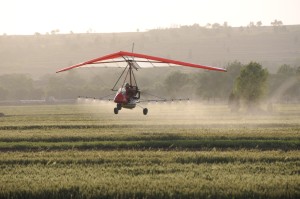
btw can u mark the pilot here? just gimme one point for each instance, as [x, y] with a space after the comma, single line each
[128, 91]
[126, 85]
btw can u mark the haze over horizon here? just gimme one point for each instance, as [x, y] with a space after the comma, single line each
[29, 17]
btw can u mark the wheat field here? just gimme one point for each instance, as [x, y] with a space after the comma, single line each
[180, 150]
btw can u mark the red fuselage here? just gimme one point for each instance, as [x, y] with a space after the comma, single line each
[126, 97]
[120, 98]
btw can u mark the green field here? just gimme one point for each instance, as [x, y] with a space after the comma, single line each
[181, 150]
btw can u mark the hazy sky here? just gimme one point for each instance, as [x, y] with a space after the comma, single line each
[30, 16]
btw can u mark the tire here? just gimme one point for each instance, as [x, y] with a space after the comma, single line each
[116, 110]
[145, 111]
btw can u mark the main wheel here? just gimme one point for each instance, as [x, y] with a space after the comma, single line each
[116, 110]
[145, 111]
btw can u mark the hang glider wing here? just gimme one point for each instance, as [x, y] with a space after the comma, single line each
[122, 58]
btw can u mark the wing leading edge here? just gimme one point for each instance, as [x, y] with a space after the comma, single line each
[121, 59]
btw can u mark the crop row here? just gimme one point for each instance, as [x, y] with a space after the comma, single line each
[150, 174]
[151, 157]
[134, 133]
[141, 137]
[154, 144]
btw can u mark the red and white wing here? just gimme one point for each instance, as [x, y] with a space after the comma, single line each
[121, 59]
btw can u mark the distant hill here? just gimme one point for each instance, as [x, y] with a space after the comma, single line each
[41, 54]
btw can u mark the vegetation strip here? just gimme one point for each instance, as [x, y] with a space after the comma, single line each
[149, 157]
[129, 126]
[32, 127]
[155, 174]
[154, 144]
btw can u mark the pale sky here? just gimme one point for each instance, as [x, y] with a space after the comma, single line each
[79, 16]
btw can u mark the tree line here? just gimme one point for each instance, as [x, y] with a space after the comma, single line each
[244, 84]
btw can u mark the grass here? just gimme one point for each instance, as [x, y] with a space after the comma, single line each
[177, 151]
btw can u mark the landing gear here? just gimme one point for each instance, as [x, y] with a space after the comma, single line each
[116, 110]
[119, 106]
[145, 111]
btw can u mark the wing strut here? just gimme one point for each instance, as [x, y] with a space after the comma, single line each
[132, 80]
[113, 89]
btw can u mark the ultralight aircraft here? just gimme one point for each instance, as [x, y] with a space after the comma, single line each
[128, 96]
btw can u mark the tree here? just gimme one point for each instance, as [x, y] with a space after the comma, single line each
[251, 84]
[285, 84]
[216, 26]
[251, 24]
[208, 25]
[233, 102]
[286, 70]
[233, 71]
[16, 86]
[216, 85]
[175, 82]
[277, 25]
[211, 85]
[259, 23]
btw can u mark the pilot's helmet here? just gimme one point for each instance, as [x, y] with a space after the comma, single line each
[126, 85]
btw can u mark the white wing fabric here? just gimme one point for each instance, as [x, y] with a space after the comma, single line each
[122, 58]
